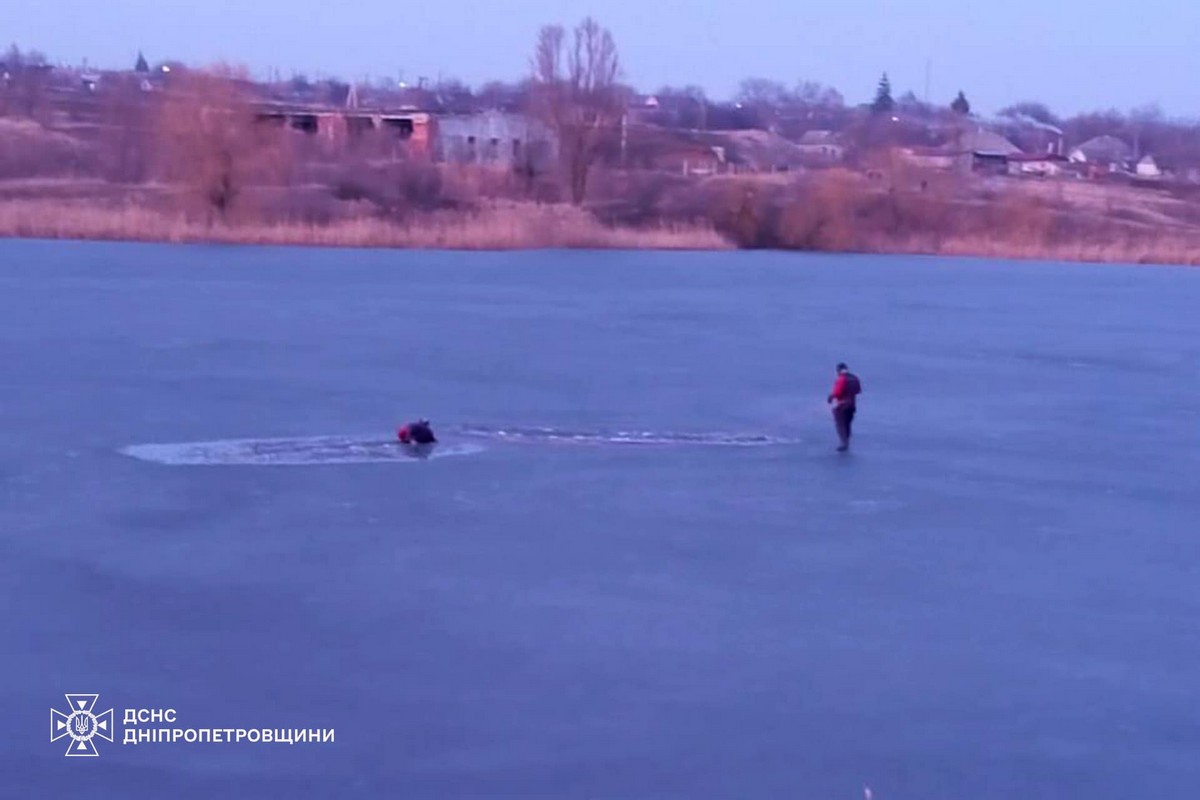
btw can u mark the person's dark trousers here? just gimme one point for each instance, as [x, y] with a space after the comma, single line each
[843, 418]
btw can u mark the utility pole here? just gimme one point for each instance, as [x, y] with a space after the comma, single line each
[624, 138]
[928, 69]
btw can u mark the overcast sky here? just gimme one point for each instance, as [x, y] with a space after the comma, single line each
[1071, 54]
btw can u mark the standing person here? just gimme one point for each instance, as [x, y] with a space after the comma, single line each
[846, 389]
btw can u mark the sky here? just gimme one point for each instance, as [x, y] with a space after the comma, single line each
[1073, 55]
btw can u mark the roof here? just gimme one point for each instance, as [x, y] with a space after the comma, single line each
[928, 152]
[757, 149]
[984, 141]
[1036, 157]
[494, 124]
[1105, 148]
[819, 137]
[652, 144]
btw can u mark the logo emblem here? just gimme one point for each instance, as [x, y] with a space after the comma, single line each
[82, 724]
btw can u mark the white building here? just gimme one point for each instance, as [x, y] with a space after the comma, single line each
[495, 138]
[1147, 167]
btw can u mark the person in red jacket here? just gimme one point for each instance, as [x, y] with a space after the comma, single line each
[846, 389]
[419, 432]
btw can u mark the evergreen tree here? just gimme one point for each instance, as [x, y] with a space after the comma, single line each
[883, 103]
[961, 105]
[141, 65]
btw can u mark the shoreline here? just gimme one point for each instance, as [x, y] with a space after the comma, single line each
[514, 227]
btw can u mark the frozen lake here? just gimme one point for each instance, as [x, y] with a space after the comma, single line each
[641, 571]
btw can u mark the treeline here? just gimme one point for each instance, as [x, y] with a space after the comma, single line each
[584, 75]
[191, 143]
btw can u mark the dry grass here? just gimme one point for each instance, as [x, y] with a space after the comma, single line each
[830, 220]
[501, 227]
[1183, 250]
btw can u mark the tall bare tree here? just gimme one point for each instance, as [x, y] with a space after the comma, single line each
[211, 142]
[576, 92]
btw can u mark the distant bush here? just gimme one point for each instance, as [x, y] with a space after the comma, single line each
[29, 150]
[394, 189]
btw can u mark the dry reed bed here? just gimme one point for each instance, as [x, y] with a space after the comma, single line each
[517, 226]
[1171, 248]
[501, 228]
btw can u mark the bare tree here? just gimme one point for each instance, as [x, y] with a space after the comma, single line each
[576, 93]
[811, 94]
[682, 107]
[1082, 127]
[504, 96]
[454, 96]
[763, 93]
[126, 134]
[211, 141]
[23, 79]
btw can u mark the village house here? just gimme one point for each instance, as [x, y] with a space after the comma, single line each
[929, 158]
[651, 147]
[687, 158]
[1031, 135]
[821, 147]
[708, 161]
[982, 150]
[1040, 165]
[980, 140]
[986, 152]
[970, 150]
[753, 151]
[1147, 167]
[1103, 154]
